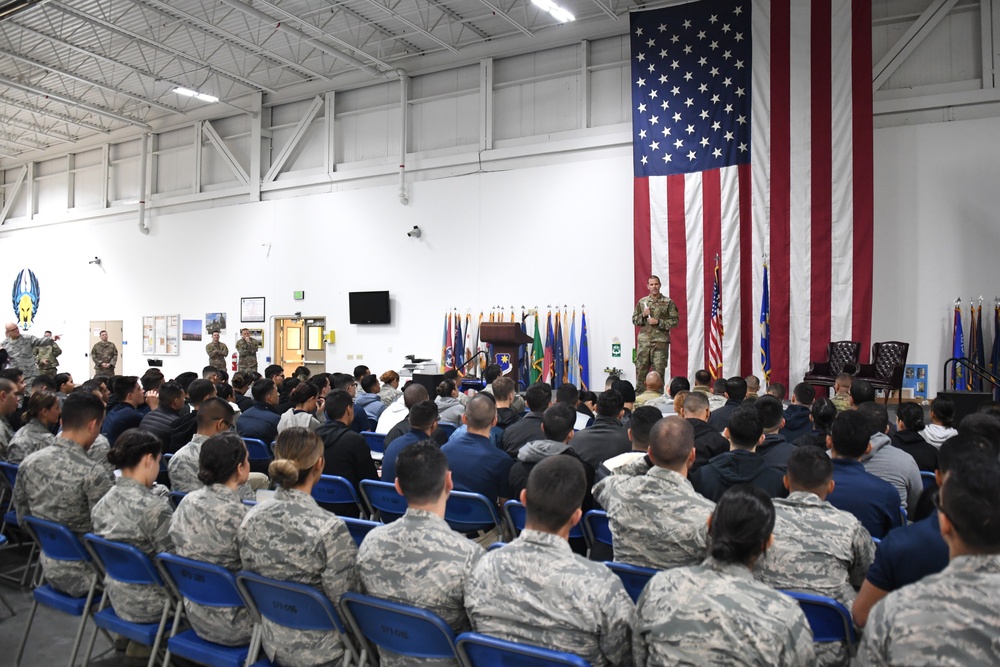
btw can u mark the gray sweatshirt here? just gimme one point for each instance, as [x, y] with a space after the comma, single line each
[896, 467]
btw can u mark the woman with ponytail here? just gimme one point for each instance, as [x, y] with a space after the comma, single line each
[909, 436]
[291, 538]
[40, 419]
[716, 613]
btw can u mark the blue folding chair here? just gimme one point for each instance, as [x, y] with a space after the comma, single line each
[257, 450]
[3, 600]
[9, 477]
[476, 650]
[633, 577]
[830, 621]
[517, 515]
[902, 516]
[358, 528]
[447, 429]
[470, 512]
[928, 478]
[383, 500]
[295, 606]
[400, 629]
[376, 441]
[59, 543]
[597, 533]
[126, 564]
[176, 497]
[210, 586]
[332, 492]
[496, 545]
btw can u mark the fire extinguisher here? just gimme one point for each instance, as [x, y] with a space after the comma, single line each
[234, 362]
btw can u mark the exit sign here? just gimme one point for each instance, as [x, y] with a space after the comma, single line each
[299, 295]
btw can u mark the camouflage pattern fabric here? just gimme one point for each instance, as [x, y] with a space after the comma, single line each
[30, 438]
[537, 591]
[21, 353]
[46, 358]
[98, 453]
[133, 514]
[945, 620]
[842, 402]
[61, 484]
[247, 351]
[419, 560]
[217, 354]
[206, 527]
[6, 435]
[657, 519]
[104, 352]
[291, 538]
[184, 465]
[653, 346]
[716, 614]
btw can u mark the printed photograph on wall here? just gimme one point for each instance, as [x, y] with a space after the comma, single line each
[215, 322]
[191, 330]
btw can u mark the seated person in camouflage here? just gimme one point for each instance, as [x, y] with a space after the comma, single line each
[951, 618]
[291, 538]
[716, 613]
[419, 560]
[657, 518]
[61, 483]
[42, 416]
[206, 526]
[537, 591]
[817, 549]
[214, 416]
[8, 406]
[131, 513]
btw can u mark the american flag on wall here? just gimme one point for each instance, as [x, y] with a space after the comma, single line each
[752, 136]
[716, 336]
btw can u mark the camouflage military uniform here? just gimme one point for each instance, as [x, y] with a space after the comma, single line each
[205, 527]
[29, 439]
[537, 591]
[6, 435]
[184, 465]
[21, 351]
[217, 353]
[46, 359]
[60, 483]
[248, 355]
[419, 560]
[291, 538]
[948, 619]
[657, 518]
[104, 352]
[131, 513]
[821, 550]
[841, 402]
[653, 348]
[98, 453]
[716, 614]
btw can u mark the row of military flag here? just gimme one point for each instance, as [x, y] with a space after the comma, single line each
[556, 356]
[961, 378]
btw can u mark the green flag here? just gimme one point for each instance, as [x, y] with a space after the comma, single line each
[536, 355]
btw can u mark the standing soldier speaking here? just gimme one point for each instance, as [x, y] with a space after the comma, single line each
[21, 350]
[105, 356]
[46, 356]
[655, 315]
[247, 348]
[217, 352]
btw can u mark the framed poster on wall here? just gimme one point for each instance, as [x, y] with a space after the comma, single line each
[173, 334]
[252, 309]
[148, 338]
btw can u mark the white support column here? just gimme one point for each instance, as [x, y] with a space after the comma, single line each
[486, 104]
[263, 116]
[105, 174]
[584, 84]
[912, 38]
[154, 164]
[227, 155]
[31, 190]
[329, 131]
[70, 180]
[198, 133]
[293, 143]
[986, 30]
[10, 195]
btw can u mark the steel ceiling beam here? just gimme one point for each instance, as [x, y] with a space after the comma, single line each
[54, 115]
[33, 146]
[35, 129]
[410, 24]
[73, 102]
[374, 26]
[504, 15]
[152, 43]
[457, 19]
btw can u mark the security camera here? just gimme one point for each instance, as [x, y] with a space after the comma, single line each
[414, 233]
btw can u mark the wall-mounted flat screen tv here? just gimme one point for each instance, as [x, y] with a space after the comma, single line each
[369, 307]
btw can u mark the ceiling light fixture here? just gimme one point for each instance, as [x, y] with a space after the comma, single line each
[557, 12]
[187, 92]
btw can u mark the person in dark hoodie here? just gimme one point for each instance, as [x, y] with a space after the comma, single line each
[538, 397]
[775, 449]
[742, 464]
[503, 392]
[797, 413]
[909, 424]
[821, 415]
[736, 391]
[708, 443]
[606, 437]
[557, 432]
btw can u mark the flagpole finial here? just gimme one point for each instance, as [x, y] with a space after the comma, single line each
[958, 301]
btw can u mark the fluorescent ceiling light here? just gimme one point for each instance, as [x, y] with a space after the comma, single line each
[557, 12]
[187, 92]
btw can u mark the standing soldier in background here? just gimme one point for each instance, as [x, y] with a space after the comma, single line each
[247, 348]
[105, 356]
[46, 357]
[21, 350]
[217, 352]
[655, 315]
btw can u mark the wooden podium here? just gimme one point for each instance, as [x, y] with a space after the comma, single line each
[505, 337]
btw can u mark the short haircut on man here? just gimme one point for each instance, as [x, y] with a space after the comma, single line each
[753, 383]
[503, 389]
[414, 394]
[421, 470]
[679, 384]
[185, 379]
[719, 386]
[695, 402]
[423, 415]
[745, 428]
[492, 372]
[643, 419]
[809, 468]
[209, 372]
[555, 488]
[169, 392]
[970, 499]
[337, 403]
[152, 379]
[877, 415]
[538, 396]
[851, 432]
[703, 378]
[12, 373]
[671, 441]
[273, 371]
[480, 411]
[261, 388]
[214, 409]
[566, 393]
[862, 392]
[360, 371]
[845, 380]
[124, 384]
[43, 382]
[804, 394]
[610, 403]
[558, 421]
[80, 408]
[342, 381]
[962, 446]
[770, 411]
[777, 390]
[736, 388]
[368, 383]
[982, 426]
[199, 390]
